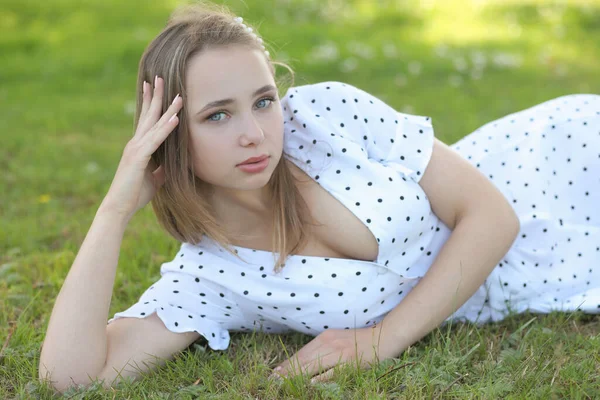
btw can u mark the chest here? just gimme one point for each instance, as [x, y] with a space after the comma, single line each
[337, 233]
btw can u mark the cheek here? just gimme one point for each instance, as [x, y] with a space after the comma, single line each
[208, 153]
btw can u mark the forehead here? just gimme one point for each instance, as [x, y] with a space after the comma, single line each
[226, 72]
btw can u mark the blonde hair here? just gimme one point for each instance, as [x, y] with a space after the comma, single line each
[181, 205]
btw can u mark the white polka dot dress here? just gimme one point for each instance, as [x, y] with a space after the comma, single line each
[545, 160]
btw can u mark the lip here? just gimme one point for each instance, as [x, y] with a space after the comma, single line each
[255, 168]
[254, 159]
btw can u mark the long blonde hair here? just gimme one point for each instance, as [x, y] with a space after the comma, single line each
[181, 205]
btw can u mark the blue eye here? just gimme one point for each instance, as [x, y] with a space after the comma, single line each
[267, 98]
[270, 99]
[215, 120]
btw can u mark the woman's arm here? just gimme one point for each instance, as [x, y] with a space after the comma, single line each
[479, 241]
[75, 345]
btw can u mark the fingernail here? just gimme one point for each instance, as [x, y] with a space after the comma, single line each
[175, 99]
[144, 87]
[155, 81]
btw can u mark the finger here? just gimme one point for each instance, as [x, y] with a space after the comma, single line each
[305, 352]
[163, 128]
[323, 362]
[310, 364]
[325, 376]
[298, 357]
[153, 113]
[173, 109]
[146, 97]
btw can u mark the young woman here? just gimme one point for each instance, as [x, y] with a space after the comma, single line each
[325, 212]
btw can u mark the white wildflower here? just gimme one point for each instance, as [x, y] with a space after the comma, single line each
[92, 167]
[390, 50]
[507, 60]
[361, 50]
[414, 67]
[323, 53]
[460, 64]
[129, 107]
[349, 64]
[478, 58]
[400, 80]
[408, 109]
[545, 55]
[561, 70]
[476, 74]
[441, 50]
[455, 80]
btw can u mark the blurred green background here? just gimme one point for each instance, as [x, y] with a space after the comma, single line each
[67, 96]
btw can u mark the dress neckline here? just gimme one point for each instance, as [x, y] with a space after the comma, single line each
[376, 261]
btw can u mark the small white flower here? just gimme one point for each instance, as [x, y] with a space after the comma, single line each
[349, 64]
[476, 74]
[361, 49]
[92, 167]
[129, 107]
[441, 50]
[545, 55]
[515, 29]
[400, 80]
[507, 60]
[408, 109]
[478, 58]
[390, 50]
[455, 80]
[561, 70]
[460, 64]
[323, 53]
[414, 67]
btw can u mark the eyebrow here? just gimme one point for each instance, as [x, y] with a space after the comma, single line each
[219, 103]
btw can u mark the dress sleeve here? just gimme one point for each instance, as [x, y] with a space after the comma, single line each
[186, 301]
[384, 134]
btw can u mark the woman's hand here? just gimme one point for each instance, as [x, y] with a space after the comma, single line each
[137, 180]
[338, 346]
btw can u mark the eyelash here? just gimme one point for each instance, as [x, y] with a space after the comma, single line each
[270, 98]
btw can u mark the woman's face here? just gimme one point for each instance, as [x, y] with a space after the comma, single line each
[249, 125]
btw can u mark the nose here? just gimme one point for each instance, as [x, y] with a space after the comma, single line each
[252, 131]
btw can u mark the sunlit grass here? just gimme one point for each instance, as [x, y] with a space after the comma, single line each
[67, 78]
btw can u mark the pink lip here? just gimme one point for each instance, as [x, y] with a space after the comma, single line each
[254, 159]
[255, 167]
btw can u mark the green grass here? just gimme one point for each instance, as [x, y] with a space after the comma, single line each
[67, 81]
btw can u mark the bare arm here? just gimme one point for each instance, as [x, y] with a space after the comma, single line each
[78, 344]
[478, 242]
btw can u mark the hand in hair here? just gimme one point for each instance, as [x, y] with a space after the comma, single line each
[137, 180]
